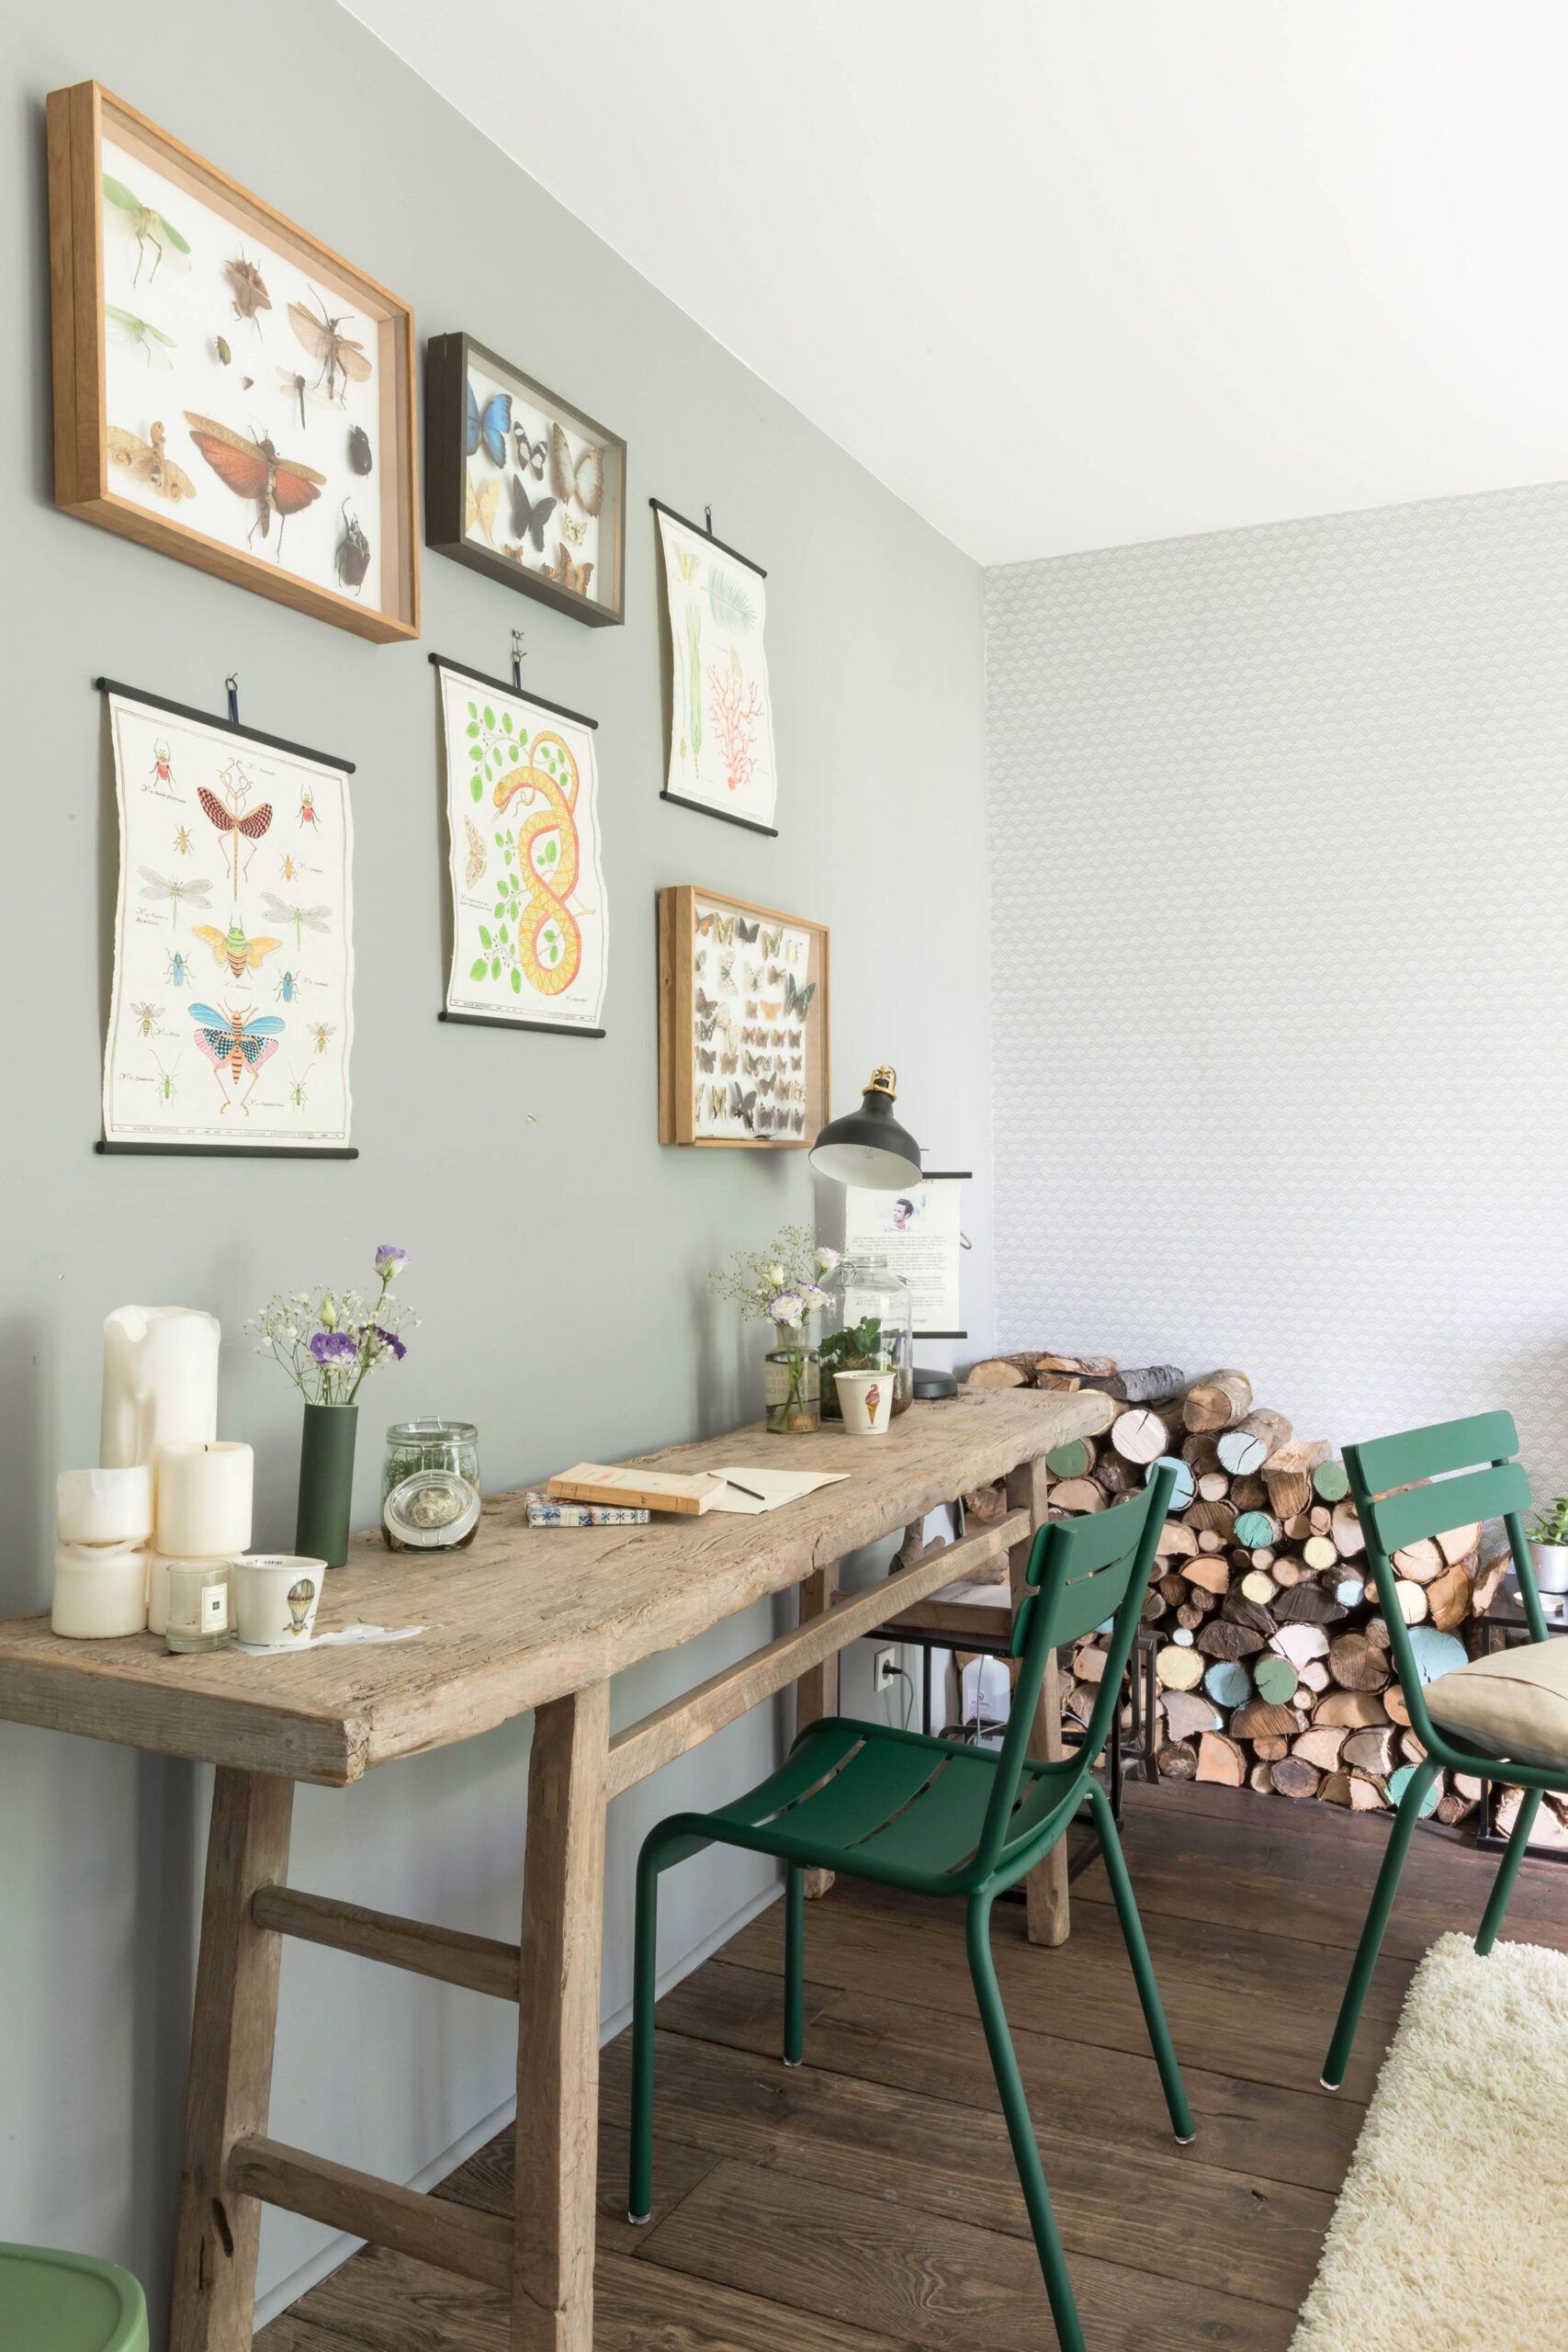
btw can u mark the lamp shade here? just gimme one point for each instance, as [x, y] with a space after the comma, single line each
[868, 1147]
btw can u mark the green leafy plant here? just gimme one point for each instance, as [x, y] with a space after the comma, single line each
[857, 1348]
[1551, 1526]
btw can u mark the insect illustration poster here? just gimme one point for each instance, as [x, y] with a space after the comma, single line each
[530, 920]
[721, 719]
[231, 1015]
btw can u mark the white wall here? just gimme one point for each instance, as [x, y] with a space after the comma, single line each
[557, 1253]
[1279, 960]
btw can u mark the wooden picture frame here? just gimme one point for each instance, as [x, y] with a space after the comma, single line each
[760, 1027]
[545, 557]
[124, 444]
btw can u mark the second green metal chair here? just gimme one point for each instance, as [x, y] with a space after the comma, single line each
[937, 1817]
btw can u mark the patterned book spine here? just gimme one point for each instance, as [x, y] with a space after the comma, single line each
[543, 1510]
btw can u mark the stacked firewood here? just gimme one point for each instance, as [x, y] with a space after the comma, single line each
[1273, 1666]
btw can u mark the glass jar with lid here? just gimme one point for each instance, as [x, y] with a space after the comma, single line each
[869, 1327]
[430, 1485]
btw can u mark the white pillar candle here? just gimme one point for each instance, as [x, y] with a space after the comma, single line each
[204, 1500]
[104, 1506]
[160, 1380]
[100, 1590]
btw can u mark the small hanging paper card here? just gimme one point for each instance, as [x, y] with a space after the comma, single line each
[721, 718]
[530, 920]
[231, 1015]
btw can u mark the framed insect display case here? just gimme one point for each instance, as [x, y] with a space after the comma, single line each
[227, 390]
[520, 485]
[743, 1004]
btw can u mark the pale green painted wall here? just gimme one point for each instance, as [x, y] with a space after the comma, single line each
[556, 1259]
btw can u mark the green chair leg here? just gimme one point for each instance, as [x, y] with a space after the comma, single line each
[645, 1988]
[794, 1965]
[1020, 2129]
[1366, 1951]
[1507, 1871]
[1143, 1966]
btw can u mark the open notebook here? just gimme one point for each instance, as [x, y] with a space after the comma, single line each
[770, 1488]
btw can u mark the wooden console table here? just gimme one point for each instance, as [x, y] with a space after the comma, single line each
[522, 1621]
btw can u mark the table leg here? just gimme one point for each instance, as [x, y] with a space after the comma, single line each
[817, 1693]
[557, 2033]
[231, 2063]
[1045, 1888]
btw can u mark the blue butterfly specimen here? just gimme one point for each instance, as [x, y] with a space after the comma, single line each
[491, 428]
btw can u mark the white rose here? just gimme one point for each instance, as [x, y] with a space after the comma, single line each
[826, 1260]
[775, 1277]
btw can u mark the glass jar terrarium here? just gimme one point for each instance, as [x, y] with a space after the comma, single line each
[430, 1485]
[870, 1320]
[792, 1382]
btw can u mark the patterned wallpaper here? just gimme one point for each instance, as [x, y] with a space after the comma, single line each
[1279, 845]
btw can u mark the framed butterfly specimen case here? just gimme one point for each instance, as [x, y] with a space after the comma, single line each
[227, 390]
[520, 485]
[742, 1022]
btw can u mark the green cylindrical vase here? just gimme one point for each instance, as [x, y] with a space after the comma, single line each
[326, 1483]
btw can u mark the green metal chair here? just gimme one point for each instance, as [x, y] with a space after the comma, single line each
[1394, 1510]
[934, 1817]
[68, 2302]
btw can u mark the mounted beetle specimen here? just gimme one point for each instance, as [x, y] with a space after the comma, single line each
[359, 455]
[352, 551]
[249, 289]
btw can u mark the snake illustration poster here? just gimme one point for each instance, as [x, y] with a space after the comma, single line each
[231, 1015]
[530, 921]
[721, 718]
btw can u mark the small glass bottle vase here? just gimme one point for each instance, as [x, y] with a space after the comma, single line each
[792, 1378]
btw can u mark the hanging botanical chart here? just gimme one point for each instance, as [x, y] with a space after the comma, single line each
[231, 1015]
[530, 921]
[721, 721]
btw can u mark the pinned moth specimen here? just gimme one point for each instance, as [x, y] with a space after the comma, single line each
[149, 463]
[359, 455]
[249, 289]
[352, 551]
[529, 517]
[280, 486]
[530, 454]
[583, 479]
[343, 360]
[480, 507]
[567, 574]
[141, 333]
[150, 229]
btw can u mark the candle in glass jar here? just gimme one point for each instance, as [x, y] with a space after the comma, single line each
[204, 1500]
[198, 1616]
[160, 1380]
[104, 1506]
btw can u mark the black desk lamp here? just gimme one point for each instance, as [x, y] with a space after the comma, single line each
[869, 1147]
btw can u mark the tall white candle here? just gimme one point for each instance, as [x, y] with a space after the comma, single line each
[100, 1590]
[204, 1500]
[103, 1506]
[160, 1380]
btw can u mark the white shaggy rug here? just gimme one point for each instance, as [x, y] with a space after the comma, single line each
[1451, 2231]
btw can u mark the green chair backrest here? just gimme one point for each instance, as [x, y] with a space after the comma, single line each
[1082, 1573]
[1421, 1483]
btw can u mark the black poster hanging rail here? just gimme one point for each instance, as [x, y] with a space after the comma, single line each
[704, 530]
[230, 726]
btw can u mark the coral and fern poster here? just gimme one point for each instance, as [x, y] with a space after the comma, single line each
[721, 721]
[530, 921]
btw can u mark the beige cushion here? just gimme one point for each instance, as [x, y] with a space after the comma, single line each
[1515, 1704]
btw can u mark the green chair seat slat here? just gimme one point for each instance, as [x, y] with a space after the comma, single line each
[941, 1828]
[1401, 1460]
[875, 1782]
[821, 1749]
[1399, 1520]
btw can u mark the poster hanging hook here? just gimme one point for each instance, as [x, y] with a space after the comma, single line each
[231, 687]
[707, 520]
[517, 659]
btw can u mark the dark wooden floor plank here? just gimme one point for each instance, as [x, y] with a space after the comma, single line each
[945, 2285]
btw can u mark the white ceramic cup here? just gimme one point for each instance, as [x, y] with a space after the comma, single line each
[276, 1595]
[865, 1400]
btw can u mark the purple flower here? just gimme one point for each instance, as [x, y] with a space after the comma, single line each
[386, 1340]
[390, 1260]
[333, 1347]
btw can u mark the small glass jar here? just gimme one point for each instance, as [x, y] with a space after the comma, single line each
[199, 1606]
[429, 1486]
[870, 1328]
[792, 1382]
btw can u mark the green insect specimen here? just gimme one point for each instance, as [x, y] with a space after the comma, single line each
[150, 341]
[221, 347]
[147, 225]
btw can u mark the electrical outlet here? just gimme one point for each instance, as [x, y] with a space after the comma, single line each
[884, 1667]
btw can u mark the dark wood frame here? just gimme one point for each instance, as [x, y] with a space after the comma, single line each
[677, 985]
[78, 121]
[447, 358]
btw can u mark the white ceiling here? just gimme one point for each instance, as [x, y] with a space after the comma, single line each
[1070, 273]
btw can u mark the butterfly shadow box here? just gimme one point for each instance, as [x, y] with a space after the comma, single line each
[520, 485]
[742, 1024]
[227, 390]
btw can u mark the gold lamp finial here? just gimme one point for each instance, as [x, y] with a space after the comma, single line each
[882, 1080]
